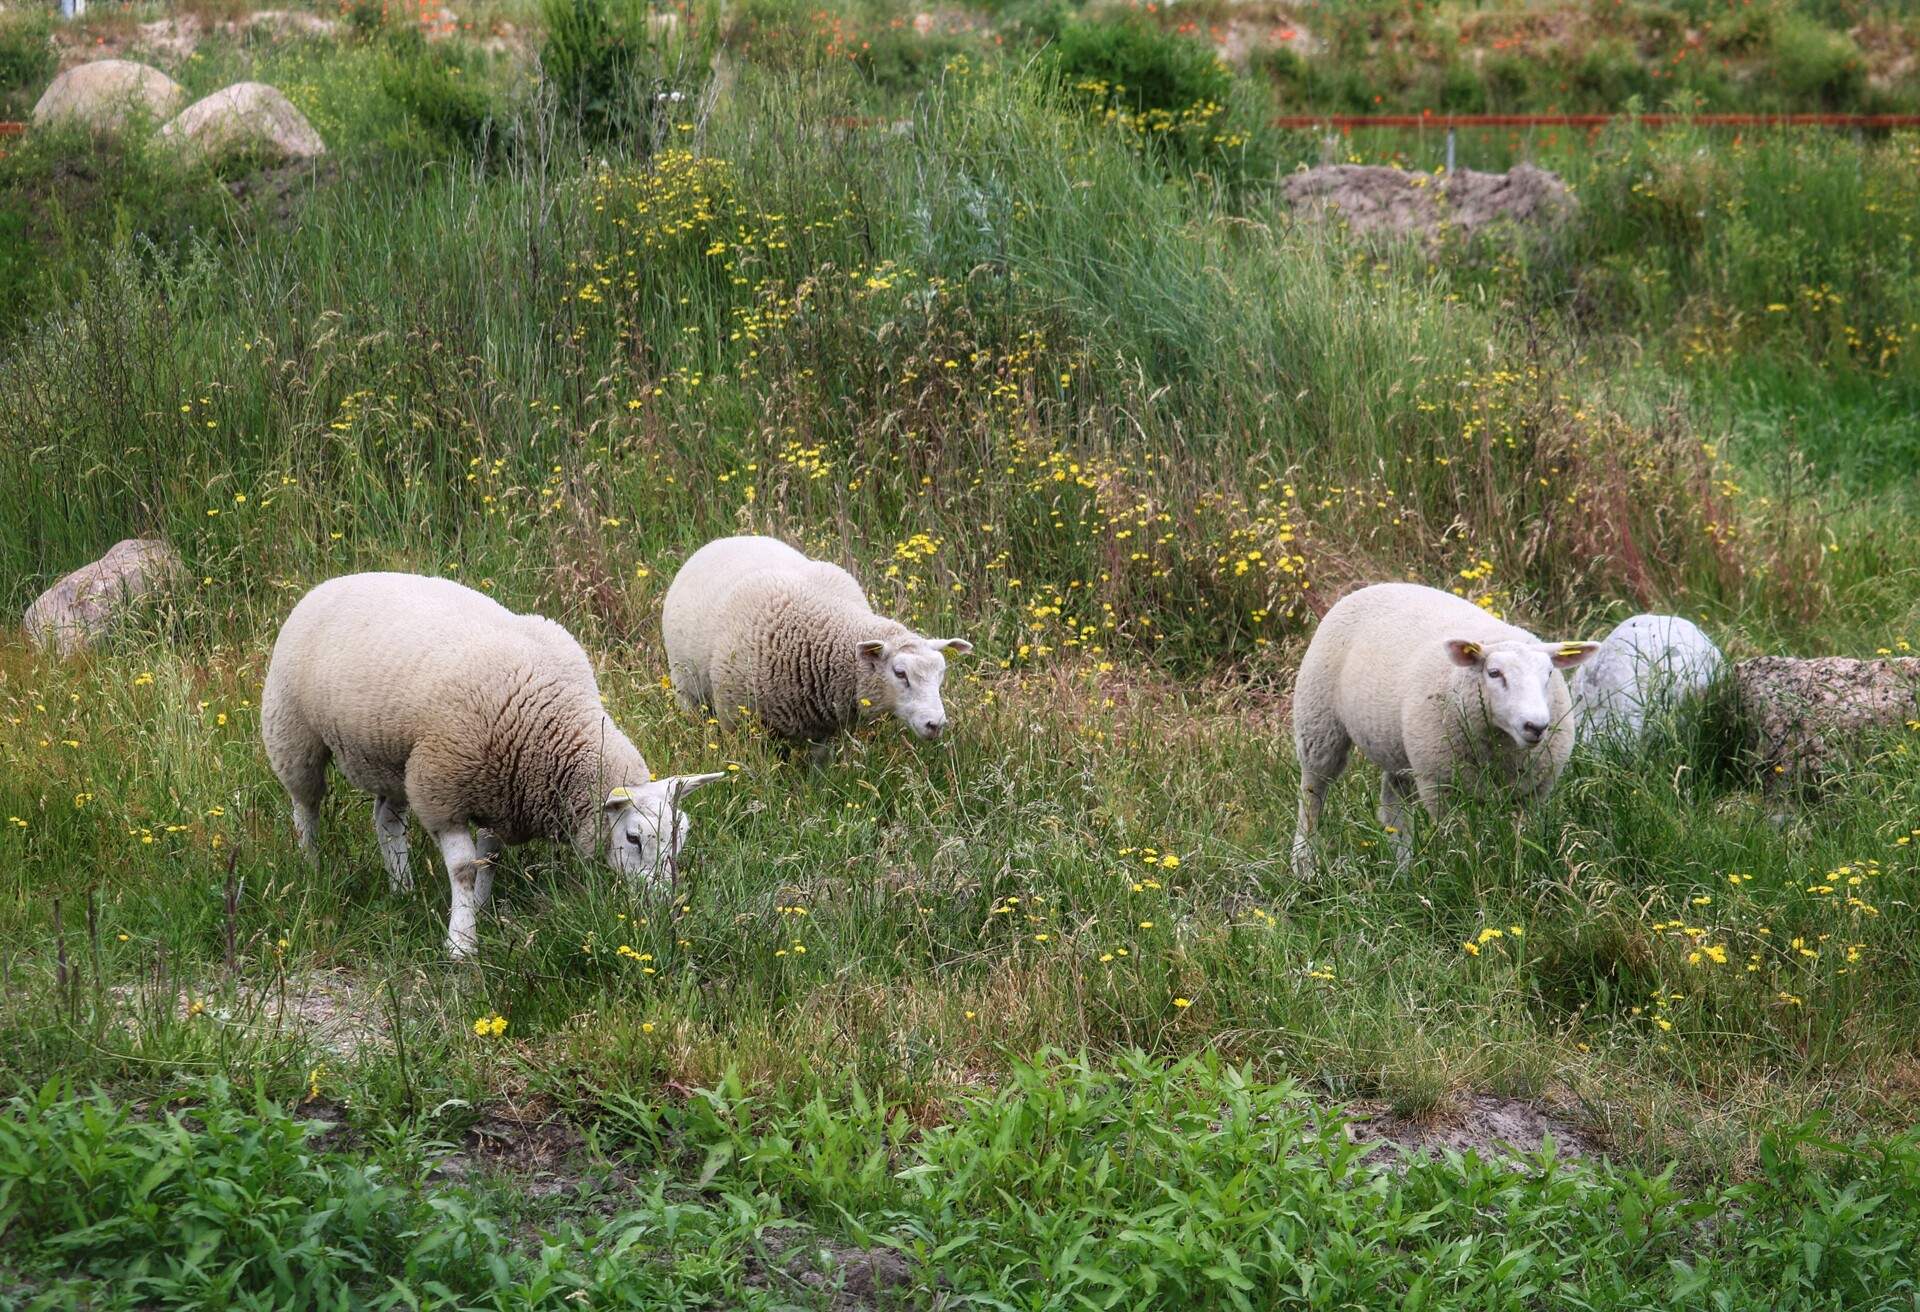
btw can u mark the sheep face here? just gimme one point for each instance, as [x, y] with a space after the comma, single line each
[646, 828]
[1516, 681]
[904, 676]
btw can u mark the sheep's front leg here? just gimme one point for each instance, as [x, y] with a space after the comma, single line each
[462, 856]
[390, 830]
[1393, 814]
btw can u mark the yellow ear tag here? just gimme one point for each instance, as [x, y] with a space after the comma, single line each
[1572, 649]
[620, 795]
[1470, 648]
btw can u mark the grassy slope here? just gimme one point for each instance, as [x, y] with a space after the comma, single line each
[1121, 429]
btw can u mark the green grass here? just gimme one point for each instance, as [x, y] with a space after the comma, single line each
[1099, 405]
[1183, 1185]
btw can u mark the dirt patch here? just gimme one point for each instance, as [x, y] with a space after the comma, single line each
[172, 41]
[1891, 51]
[1396, 202]
[1485, 1123]
[541, 1149]
[333, 1011]
[850, 1277]
[277, 191]
[1239, 39]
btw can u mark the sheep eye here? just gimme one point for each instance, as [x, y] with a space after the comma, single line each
[902, 676]
[1496, 674]
[634, 839]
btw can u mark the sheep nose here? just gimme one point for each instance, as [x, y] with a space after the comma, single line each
[934, 727]
[1533, 730]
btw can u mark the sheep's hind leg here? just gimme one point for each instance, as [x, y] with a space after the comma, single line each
[1394, 790]
[304, 775]
[390, 829]
[306, 827]
[1321, 762]
[490, 849]
[462, 856]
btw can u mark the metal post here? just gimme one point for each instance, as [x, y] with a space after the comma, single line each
[72, 9]
[1449, 150]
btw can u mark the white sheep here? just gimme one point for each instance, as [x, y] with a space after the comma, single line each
[438, 699]
[1431, 689]
[1647, 663]
[750, 623]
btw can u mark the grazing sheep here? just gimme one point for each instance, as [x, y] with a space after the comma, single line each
[1429, 687]
[1646, 663]
[752, 624]
[433, 697]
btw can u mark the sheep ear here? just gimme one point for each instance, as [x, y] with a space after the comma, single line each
[871, 650]
[618, 798]
[1462, 652]
[679, 785]
[958, 646]
[1566, 655]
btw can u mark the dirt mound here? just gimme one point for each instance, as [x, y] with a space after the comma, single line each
[1802, 716]
[1371, 198]
[1485, 1123]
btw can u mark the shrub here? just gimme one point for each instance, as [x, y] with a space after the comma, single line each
[65, 194]
[1142, 66]
[1812, 65]
[596, 59]
[451, 106]
[898, 59]
[26, 61]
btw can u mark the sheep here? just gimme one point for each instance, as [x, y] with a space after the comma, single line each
[752, 624]
[439, 700]
[1646, 663]
[1429, 687]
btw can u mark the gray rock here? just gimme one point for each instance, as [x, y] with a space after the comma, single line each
[83, 605]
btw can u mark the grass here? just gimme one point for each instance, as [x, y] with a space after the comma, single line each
[1041, 1008]
[1178, 1186]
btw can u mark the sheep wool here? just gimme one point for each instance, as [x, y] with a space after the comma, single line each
[439, 700]
[752, 625]
[1433, 691]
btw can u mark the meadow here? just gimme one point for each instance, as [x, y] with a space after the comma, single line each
[1036, 1016]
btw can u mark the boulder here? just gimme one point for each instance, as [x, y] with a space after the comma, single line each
[1646, 665]
[1803, 716]
[1398, 202]
[83, 605]
[105, 94]
[247, 118]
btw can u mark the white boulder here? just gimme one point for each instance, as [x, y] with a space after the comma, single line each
[246, 118]
[1648, 663]
[83, 605]
[106, 94]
